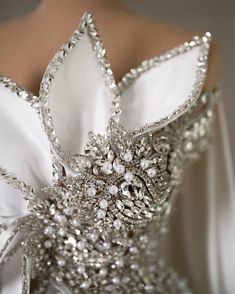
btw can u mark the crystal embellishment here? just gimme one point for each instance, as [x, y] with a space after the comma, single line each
[93, 228]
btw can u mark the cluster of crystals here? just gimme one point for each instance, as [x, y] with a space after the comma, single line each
[95, 230]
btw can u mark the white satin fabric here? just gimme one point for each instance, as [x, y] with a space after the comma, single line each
[201, 241]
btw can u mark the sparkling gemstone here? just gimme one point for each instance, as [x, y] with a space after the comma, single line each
[119, 168]
[128, 157]
[81, 245]
[144, 163]
[117, 224]
[151, 172]
[48, 244]
[101, 213]
[61, 262]
[81, 269]
[128, 176]
[113, 189]
[103, 204]
[48, 231]
[91, 191]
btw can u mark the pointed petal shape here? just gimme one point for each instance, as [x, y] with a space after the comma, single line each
[164, 87]
[76, 91]
[24, 150]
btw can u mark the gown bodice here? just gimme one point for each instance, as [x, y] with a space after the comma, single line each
[97, 166]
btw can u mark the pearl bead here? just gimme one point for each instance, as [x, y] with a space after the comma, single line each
[113, 189]
[48, 244]
[81, 269]
[93, 236]
[85, 285]
[119, 168]
[103, 204]
[101, 213]
[116, 280]
[128, 176]
[117, 224]
[103, 272]
[61, 232]
[144, 163]
[91, 191]
[61, 262]
[151, 172]
[128, 157]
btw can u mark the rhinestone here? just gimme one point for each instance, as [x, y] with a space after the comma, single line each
[117, 224]
[81, 245]
[151, 172]
[119, 168]
[48, 244]
[113, 189]
[91, 191]
[144, 163]
[101, 213]
[103, 204]
[61, 262]
[128, 157]
[128, 176]
[81, 269]
[48, 230]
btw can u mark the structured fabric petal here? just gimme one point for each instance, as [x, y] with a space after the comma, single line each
[24, 150]
[76, 89]
[163, 88]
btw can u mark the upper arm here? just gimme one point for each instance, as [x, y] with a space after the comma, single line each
[213, 73]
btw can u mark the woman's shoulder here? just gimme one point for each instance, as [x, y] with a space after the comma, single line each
[156, 37]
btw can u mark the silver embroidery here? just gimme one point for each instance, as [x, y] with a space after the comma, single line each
[98, 230]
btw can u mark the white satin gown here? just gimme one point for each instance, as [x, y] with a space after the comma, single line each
[78, 92]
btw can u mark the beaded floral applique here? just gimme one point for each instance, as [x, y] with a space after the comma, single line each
[93, 232]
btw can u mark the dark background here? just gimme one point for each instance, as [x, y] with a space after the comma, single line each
[216, 16]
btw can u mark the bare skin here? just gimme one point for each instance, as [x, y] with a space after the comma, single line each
[31, 41]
